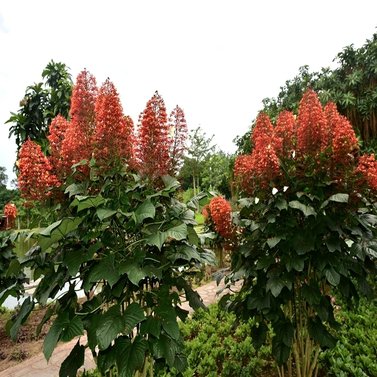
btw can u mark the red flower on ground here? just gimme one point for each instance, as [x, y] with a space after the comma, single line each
[35, 178]
[153, 139]
[221, 214]
[113, 136]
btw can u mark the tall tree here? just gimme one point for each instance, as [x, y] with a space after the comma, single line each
[200, 147]
[6, 195]
[41, 103]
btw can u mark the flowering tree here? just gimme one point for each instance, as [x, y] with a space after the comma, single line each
[308, 229]
[116, 234]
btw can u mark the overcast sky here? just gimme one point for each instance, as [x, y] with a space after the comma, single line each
[216, 59]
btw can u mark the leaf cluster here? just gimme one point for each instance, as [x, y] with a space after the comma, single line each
[41, 103]
[296, 247]
[127, 247]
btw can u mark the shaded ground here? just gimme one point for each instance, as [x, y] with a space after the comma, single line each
[27, 344]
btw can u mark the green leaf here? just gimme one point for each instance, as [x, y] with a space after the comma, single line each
[106, 269]
[75, 189]
[58, 230]
[73, 362]
[275, 285]
[305, 209]
[171, 327]
[178, 232]
[164, 347]
[144, 211]
[273, 241]
[53, 334]
[152, 326]
[311, 294]
[106, 359]
[109, 326]
[104, 213]
[134, 272]
[84, 202]
[26, 307]
[320, 334]
[340, 198]
[73, 328]
[259, 334]
[295, 263]
[265, 261]
[332, 276]
[130, 355]
[133, 315]
[170, 182]
[280, 351]
[184, 252]
[73, 259]
[281, 204]
[157, 239]
[47, 231]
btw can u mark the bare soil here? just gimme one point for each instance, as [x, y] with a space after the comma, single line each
[27, 343]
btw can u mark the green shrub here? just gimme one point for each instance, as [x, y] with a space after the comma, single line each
[356, 350]
[216, 347]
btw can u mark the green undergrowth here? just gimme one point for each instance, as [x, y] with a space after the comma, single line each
[355, 354]
[215, 346]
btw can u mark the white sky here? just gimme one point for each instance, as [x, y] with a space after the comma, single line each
[216, 59]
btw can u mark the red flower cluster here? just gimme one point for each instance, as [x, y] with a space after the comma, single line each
[319, 139]
[57, 130]
[77, 143]
[220, 213]
[178, 131]
[10, 212]
[113, 135]
[311, 125]
[98, 129]
[35, 178]
[153, 139]
[367, 168]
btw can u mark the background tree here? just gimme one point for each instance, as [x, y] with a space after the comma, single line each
[6, 195]
[352, 86]
[200, 147]
[41, 103]
[216, 173]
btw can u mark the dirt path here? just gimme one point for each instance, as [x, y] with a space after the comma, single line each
[37, 366]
